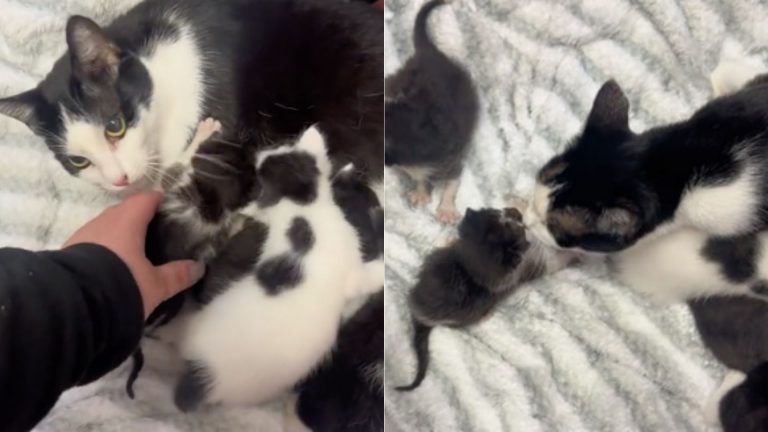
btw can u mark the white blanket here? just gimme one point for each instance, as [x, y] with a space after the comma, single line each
[575, 351]
[41, 205]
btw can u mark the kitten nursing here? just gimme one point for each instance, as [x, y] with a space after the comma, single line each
[460, 284]
[272, 301]
[431, 113]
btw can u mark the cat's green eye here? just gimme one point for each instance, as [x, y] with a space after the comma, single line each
[79, 162]
[115, 127]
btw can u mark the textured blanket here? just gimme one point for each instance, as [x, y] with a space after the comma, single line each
[575, 351]
[41, 206]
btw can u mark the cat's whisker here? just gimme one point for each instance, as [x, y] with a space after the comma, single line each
[215, 161]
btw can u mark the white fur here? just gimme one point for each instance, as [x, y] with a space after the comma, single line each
[535, 215]
[258, 346]
[731, 379]
[162, 131]
[731, 75]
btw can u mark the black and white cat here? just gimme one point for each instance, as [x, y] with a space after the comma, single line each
[682, 203]
[122, 104]
[261, 331]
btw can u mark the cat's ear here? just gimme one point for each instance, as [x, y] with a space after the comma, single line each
[610, 110]
[23, 107]
[95, 58]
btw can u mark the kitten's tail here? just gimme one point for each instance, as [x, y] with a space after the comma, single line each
[421, 345]
[421, 40]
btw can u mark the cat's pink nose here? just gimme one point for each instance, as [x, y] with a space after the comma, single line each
[122, 181]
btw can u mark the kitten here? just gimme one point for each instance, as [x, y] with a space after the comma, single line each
[735, 330]
[611, 187]
[431, 113]
[266, 327]
[122, 103]
[346, 393]
[460, 284]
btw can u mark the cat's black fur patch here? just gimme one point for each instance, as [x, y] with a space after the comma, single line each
[460, 284]
[363, 211]
[290, 64]
[290, 175]
[735, 255]
[343, 394]
[431, 110]
[193, 387]
[612, 186]
[745, 407]
[735, 329]
[235, 260]
[279, 273]
[760, 287]
[300, 235]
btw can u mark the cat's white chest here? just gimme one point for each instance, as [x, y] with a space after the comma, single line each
[178, 90]
[725, 209]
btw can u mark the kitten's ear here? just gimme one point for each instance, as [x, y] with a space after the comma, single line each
[23, 107]
[94, 56]
[610, 110]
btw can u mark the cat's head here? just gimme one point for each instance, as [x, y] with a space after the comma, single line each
[89, 109]
[592, 195]
[494, 237]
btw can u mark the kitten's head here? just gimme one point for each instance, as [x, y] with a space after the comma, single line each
[592, 196]
[89, 109]
[296, 172]
[494, 237]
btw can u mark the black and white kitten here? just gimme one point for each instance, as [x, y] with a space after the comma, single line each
[735, 329]
[431, 112]
[681, 204]
[122, 104]
[460, 284]
[263, 330]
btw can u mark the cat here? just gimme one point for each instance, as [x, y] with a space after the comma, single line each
[264, 328]
[431, 112]
[734, 328]
[460, 284]
[347, 392]
[119, 107]
[611, 187]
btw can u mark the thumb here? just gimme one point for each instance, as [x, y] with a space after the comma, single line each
[177, 276]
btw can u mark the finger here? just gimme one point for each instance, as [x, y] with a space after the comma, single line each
[179, 275]
[140, 209]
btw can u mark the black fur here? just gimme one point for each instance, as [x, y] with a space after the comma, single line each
[279, 273]
[363, 211]
[760, 287]
[745, 407]
[460, 284]
[290, 175]
[192, 388]
[431, 109]
[272, 69]
[736, 256]
[300, 235]
[735, 329]
[342, 396]
[615, 186]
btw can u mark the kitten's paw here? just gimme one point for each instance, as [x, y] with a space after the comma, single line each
[419, 198]
[448, 215]
[206, 129]
[517, 202]
[731, 76]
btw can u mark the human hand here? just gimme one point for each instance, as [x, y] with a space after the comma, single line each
[122, 229]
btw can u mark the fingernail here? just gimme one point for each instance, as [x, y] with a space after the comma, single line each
[196, 271]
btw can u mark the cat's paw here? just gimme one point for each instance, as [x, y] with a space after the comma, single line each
[206, 129]
[419, 198]
[517, 202]
[448, 215]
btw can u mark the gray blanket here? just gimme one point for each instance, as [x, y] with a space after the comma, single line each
[575, 351]
[41, 206]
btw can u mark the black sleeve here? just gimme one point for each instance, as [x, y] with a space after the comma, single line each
[66, 318]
